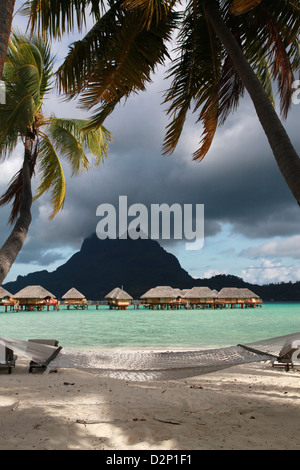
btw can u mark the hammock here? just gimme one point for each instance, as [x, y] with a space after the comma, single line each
[146, 365]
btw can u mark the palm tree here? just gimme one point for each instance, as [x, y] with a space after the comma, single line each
[28, 75]
[7, 9]
[224, 47]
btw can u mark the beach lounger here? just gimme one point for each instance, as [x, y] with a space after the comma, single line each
[287, 356]
[42, 365]
[7, 358]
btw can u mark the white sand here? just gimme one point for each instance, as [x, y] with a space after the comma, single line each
[245, 407]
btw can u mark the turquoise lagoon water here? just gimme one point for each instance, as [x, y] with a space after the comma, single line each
[143, 328]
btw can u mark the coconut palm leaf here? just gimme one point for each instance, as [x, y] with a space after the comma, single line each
[51, 173]
[96, 140]
[70, 139]
[117, 56]
[279, 42]
[194, 82]
[83, 56]
[59, 16]
[65, 136]
[47, 79]
[239, 7]
[203, 79]
[73, 141]
[153, 10]
[26, 72]
[14, 192]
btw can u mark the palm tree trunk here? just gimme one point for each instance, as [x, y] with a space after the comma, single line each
[6, 15]
[15, 241]
[286, 156]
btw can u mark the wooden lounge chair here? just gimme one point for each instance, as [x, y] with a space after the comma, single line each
[8, 358]
[288, 355]
[42, 365]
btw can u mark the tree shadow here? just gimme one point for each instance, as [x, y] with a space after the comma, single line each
[81, 410]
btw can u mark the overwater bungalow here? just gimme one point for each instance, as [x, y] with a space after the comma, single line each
[162, 297]
[250, 298]
[235, 297]
[228, 296]
[118, 299]
[6, 299]
[35, 297]
[74, 298]
[200, 297]
[112, 293]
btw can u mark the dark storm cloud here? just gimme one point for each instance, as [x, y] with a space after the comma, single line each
[238, 181]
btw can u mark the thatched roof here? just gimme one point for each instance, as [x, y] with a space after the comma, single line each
[235, 293]
[112, 293]
[248, 294]
[33, 292]
[184, 291]
[4, 293]
[162, 292]
[229, 293]
[178, 292]
[200, 293]
[122, 295]
[73, 294]
[118, 294]
[147, 294]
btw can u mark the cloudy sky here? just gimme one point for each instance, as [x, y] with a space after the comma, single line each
[251, 220]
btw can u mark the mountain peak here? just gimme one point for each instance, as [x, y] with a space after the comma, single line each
[101, 265]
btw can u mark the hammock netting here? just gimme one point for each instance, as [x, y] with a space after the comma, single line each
[144, 365]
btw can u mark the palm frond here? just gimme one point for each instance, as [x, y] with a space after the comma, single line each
[264, 74]
[81, 61]
[73, 140]
[153, 10]
[239, 7]
[281, 66]
[54, 18]
[271, 40]
[101, 113]
[115, 59]
[67, 140]
[27, 78]
[14, 192]
[44, 47]
[231, 89]
[96, 140]
[196, 80]
[51, 175]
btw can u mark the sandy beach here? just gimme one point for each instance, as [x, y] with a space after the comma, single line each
[245, 407]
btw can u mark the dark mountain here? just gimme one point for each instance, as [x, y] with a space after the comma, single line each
[102, 265]
[137, 265]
